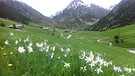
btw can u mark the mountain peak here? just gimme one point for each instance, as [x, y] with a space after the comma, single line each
[77, 0]
[78, 14]
[75, 3]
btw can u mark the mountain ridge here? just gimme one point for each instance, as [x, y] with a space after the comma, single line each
[122, 15]
[21, 12]
[79, 14]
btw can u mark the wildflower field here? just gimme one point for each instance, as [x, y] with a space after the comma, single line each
[36, 52]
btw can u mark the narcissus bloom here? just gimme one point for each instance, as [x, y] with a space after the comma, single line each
[30, 49]
[67, 65]
[99, 70]
[27, 39]
[6, 42]
[16, 42]
[53, 48]
[21, 49]
[10, 65]
[11, 34]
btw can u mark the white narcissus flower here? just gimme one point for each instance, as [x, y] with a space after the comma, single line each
[82, 56]
[128, 70]
[27, 39]
[122, 75]
[39, 44]
[16, 42]
[21, 49]
[65, 55]
[99, 40]
[98, 58]
[6, 42]
[30, 49]
[110, 44]
[83, 68]
[68, 50]
[69, 36]
[93, 63]
[118, 69]
[62, 35]
[59, 57]
[11, 34]
[105, 63]
[67, 65]
[133, 69]
[52, 55]
[61, 49]
[47, 49]
[99, 70]
[90, 58]
[53, 49]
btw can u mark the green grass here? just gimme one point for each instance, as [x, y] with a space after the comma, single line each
[40, 63]
[126, 33]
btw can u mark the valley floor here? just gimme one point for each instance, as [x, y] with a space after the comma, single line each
[36, 52]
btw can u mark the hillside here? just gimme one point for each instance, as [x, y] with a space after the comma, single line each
[78, 14]
[126, 33]
[123, 14]
[36, 52]
[21, 12]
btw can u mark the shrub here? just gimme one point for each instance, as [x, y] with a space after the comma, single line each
[116, 39]
[3, 25]
[14, 26]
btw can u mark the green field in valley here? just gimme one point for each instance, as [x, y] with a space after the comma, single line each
[36, 52]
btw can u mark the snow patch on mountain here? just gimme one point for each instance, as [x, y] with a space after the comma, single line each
[76, 4]
[91, 22]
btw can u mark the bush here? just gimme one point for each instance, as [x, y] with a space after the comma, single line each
[14, 27]
[116, 41]
[116, 37]
[3, 25]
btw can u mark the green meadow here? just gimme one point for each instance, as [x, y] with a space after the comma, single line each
[36, 52]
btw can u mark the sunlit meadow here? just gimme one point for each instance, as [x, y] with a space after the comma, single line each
[28, 58]
[35, 52]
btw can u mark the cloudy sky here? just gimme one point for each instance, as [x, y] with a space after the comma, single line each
[50, 7]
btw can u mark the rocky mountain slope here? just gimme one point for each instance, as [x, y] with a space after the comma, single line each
[123, 14]
[78, 14]
[21, 12]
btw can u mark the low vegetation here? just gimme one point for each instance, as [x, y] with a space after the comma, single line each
[36, 52]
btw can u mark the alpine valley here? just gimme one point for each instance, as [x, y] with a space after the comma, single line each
[82, 40]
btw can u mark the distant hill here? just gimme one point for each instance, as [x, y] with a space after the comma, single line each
[21, 12]
[78, 14]
[123, 14]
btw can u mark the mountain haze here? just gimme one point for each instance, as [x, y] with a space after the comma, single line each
[78, 14]
[123, 14]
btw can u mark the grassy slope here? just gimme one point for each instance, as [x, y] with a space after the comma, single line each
[79, 41]
[126, 33]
